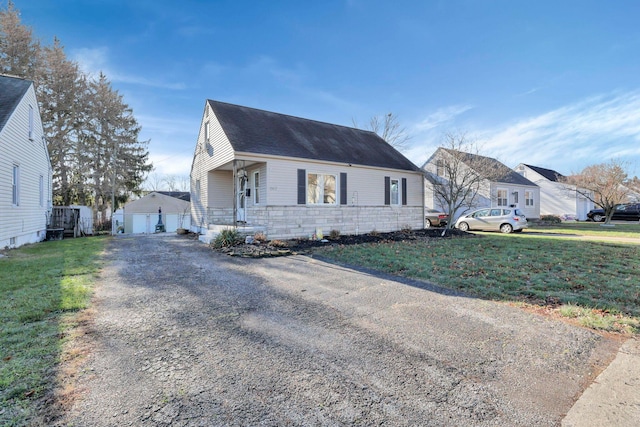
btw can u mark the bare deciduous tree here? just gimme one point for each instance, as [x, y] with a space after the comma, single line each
[605, 184]
[456, 174]
[388, 128]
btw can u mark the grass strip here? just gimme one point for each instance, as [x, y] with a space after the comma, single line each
[42, 286]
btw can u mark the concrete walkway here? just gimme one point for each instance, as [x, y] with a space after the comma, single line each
[613, 399]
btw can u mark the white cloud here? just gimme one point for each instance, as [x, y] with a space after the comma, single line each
[569, 138]
[442, 116]
[93, 61]
[171, 163]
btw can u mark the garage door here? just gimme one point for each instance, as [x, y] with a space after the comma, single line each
[142, 223]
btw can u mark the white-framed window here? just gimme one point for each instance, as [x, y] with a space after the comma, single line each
[15, 186]
[41, 190]
[394, 192]
[321, 189]
[31, 122]
[256, 187]
[528, 198]
[502, 197]
[516, 196]
[206, 131]
[440, 167]
[197, 189]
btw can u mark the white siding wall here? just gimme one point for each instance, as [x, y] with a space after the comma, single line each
[220, 189]
[208, 155]
[556, 199]
[27, 222]
[365, 186]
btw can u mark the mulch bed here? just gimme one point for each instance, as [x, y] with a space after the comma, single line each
[275, 248]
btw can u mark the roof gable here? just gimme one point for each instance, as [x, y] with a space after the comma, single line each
[251, 130]
[12, 90]
[549, 174]
[506, 174]
[182, 195]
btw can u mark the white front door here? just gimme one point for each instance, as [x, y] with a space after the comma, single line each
[241, 199]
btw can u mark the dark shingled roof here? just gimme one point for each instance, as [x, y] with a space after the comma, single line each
[182, 195]
[507, 175]
[12, 90]
[550, 174]
[263, 132]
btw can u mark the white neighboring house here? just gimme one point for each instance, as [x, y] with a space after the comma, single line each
[509, 190]
[292, 177]
[556, 198]
[141, 215]
[25, 168]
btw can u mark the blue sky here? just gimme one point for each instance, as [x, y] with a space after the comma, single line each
[555, 84]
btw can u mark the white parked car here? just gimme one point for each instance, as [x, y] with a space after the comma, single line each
[505, 220]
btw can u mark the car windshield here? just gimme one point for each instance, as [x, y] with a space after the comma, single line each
[519, 212]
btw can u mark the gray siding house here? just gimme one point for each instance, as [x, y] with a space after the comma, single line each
[505, 188]
[291, 177]
[25, 169]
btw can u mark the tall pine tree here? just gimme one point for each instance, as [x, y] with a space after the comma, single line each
[91, 133]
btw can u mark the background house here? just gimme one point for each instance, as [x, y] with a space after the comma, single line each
[293, 177]
[556, 198]
[503, 188]
[25, 168]
[141, 215]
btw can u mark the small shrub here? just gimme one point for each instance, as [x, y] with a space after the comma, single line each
[550, 219]
[334, 234]
[259, 237]
[226, 238]
[278, 244]
[374, 233]
[406, 228]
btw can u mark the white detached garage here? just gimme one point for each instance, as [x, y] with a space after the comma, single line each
[142, 215]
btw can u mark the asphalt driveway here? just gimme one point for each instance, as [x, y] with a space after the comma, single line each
[185, 336]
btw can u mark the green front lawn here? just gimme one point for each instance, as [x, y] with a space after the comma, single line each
[620, 229]
[593, 281]
[42, 287]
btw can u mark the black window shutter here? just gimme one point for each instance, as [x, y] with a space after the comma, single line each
[404, 191]
[343, 188]
[387, 190]
[302, 186]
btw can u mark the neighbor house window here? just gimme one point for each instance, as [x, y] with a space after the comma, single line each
[439, 167]
[41, 189]
[197, 189]
[321, 189]
[31, 122]
[515, 197]
[528, 198]
[502, 198]
[256, 188]
[15, 186]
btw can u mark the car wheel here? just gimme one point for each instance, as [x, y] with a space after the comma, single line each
[506, 228]
[598, 218]
[463, 226]
[427, 223]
